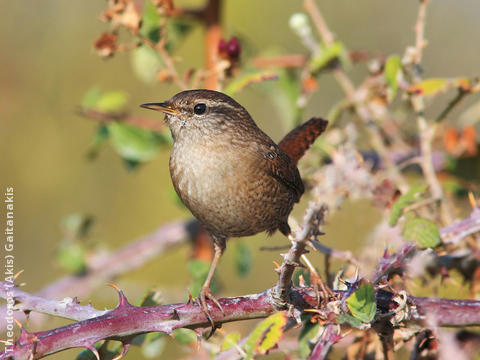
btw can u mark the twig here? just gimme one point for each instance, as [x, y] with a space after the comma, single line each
[319, 22]
[420, 32]
[330, 335]
[350, 92]
[211, 19]
[291, 259]
[426, 130]
[460, 95]
[457, 231]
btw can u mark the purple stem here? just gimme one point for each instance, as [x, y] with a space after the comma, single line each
[127, 321]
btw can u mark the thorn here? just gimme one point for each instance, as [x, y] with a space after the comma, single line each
[301, 281]
[357, 272]
[359, 157]
[472, 200]
[190, 298]
[175, 315]
[316, 311]
[122, 301]
[18, 323]
[114, 286]
[18, 274]
[94, 351]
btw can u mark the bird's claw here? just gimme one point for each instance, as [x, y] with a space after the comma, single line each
[205, 294]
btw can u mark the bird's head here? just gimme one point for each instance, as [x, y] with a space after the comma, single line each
[201, 113]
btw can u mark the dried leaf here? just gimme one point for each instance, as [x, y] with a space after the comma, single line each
[106, 44]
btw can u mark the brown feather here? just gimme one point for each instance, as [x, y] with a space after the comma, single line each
[297, 141]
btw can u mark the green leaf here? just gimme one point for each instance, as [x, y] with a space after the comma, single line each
[150, 22]
[91, 98]
[430, 87]
[98, 139]
[266, 335]
[177, 29]
[243, 258]
[133, 143]
[75, 226]
[150, 298]
[411, 197]
[152, 349]
[146, 64]
[185, 336]
[254, 78]
[303, 272]
[348, 319]
[362, 303]
[423, 232]
[393, 65]
[308, 333]
[231, 340]
[198, 270]
[111, 101]
[71, 256]
[327, 55]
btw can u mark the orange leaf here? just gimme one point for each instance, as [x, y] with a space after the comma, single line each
[450, 140]
[469, 140]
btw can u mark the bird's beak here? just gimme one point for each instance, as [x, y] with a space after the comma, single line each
[163, 107]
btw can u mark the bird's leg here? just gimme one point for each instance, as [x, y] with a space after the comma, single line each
[206, 293]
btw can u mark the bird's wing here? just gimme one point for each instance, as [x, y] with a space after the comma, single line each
[283, 169]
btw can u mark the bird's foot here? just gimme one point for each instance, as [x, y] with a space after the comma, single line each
[205, 294]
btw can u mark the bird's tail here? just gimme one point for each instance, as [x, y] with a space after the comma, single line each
[297, 141]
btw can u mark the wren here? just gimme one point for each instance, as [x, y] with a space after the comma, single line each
[231, 175]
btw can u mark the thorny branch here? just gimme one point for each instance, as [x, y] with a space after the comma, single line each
[126, 321]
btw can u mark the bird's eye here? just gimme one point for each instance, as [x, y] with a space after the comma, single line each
[200, 109]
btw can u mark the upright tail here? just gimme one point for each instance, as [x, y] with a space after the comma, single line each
[297, 141]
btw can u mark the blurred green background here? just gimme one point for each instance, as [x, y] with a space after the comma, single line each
[47, 64]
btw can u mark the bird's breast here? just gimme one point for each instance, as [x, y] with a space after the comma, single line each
[224, 187]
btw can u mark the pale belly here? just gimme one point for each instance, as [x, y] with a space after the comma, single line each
[226, 195]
